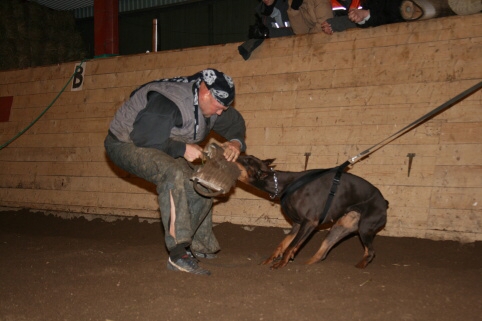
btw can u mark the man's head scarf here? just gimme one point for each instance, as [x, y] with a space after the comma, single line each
[220, 85]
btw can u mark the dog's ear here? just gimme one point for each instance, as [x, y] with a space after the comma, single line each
[269, 161]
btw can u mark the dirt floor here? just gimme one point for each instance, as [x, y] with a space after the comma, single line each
[74, 269]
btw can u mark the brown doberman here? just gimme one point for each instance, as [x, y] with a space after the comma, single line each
[357, 207]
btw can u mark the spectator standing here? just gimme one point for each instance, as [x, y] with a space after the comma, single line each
[274, 15]
[271, 22]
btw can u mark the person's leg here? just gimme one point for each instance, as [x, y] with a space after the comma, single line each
[165, 172]
[200, 208]
[156, 167]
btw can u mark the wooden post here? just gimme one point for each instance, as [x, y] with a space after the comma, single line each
[106, 27]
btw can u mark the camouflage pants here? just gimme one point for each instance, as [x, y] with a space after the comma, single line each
[193, 223]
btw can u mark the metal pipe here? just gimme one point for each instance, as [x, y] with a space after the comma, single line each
[154, 35]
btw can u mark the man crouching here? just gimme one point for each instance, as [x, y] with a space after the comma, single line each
[154, 135]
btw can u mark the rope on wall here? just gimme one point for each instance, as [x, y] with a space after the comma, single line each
[44, 111]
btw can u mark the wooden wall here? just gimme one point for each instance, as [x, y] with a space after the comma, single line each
[332, 97]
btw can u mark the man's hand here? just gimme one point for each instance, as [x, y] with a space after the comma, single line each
[326, 27]
[358, 15]
[232, 150]
[193, 152]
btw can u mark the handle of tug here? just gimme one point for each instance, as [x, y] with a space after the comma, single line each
[203, 193]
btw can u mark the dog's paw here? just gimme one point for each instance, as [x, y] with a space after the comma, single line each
[267, 261]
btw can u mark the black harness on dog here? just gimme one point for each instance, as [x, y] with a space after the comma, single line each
[309, 177]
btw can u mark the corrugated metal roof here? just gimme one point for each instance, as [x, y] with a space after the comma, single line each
[85, 8]
[65, 4]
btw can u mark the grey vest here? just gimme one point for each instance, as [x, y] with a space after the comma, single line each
[178, 92]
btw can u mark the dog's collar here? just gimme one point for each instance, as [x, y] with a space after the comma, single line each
[276, 190]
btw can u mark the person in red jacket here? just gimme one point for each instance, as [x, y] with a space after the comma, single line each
[364, 14]
[311, 16]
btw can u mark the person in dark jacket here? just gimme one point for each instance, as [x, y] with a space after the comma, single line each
[155, 135]
[274, 16]
[271, 22]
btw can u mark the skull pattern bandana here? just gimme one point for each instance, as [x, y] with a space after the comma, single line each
[219, 84]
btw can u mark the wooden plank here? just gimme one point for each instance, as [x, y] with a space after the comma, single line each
[428, 95]
[396, 114]
[461, 133]
[59, 154]
[131, 185]
[456, 198]
[98, 212]
[390, 175]
[62, 168]
[62, 71]
[68, 140]
[407, 196]
[122, 79]
[43, 100]
[336, 135]
[454, 220]
[444, 235]
[391, 154]
[74, 111]
[402, 219]
[77, 198]
[393, 55]
[459, 154]
[458, 176]
[265, 101]
[63, 126]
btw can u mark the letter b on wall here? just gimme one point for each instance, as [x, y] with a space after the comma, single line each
[78, 79]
